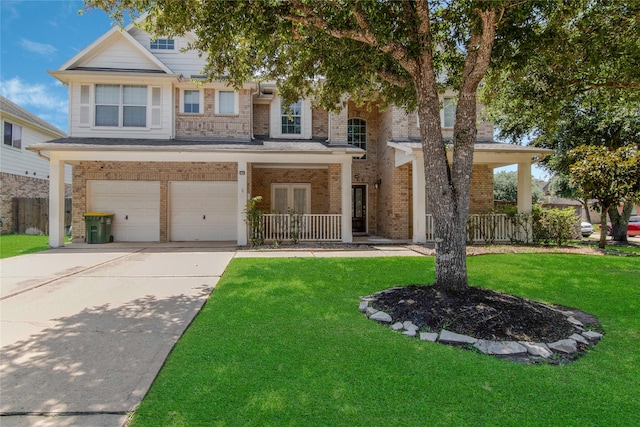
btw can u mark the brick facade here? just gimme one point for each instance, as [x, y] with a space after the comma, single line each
[209, 124]
[261, 116]
[262, 178]
[142, 171]
[24, 187]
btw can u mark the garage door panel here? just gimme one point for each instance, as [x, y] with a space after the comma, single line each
[203, 210]
[136, 205]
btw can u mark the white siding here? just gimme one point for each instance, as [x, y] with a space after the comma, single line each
[186, 63]
[26, 163]
[119, 54]
[164, 131]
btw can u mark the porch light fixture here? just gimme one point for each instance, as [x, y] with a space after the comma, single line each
[241, 173]
[377, 183]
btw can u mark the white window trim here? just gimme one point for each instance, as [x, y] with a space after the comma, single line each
[306, 126]
[13, 124]
[149, 106]
[290, 187]
[155, 50]
[216, 99]
[442, 113]
[366, 137]
[200, 100]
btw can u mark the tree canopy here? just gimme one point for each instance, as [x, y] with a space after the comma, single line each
[611, 177]
[505, 187]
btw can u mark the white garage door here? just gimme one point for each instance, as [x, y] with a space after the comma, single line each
[136, 205]
[203, 211]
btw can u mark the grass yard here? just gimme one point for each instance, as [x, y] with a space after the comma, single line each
[281, 343]
[20, 244]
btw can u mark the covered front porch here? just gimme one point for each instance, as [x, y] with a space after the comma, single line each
[158, 163]
[490, 155]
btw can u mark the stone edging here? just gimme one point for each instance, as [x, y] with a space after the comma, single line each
[565, 350]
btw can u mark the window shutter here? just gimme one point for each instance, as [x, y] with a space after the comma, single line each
[156, 107]
[85, 105]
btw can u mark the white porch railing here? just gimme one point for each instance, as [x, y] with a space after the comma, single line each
[481, 228]
[306, 227]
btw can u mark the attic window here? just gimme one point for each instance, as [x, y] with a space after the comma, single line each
[162, 44]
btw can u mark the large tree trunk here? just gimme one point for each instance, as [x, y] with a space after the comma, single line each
[442, 189]
[448, 184]
[620, 222]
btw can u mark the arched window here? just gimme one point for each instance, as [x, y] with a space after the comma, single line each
[357, 134]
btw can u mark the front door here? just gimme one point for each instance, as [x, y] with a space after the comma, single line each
[359, 208]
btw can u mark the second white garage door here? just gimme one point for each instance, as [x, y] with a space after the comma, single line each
[203, 211]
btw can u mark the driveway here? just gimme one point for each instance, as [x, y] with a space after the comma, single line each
[83, 333]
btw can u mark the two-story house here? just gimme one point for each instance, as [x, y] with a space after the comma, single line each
[22, 173]
[176, 157]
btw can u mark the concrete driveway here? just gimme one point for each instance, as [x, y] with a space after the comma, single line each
[84, 332]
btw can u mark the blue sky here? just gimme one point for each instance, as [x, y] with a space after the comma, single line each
[41, 35]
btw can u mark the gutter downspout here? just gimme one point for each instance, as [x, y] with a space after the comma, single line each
[42, 156]
[329, 130]
[257, 92]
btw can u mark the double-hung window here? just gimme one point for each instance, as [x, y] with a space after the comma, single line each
[12, 135]
[192, 101]
[357, 134]
[448, 113]
[121, 105]
[226, 102]
[292, 119]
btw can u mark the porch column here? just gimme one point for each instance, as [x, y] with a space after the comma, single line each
[242, 203]
[524, 187]
[347, 236]
[524, 195]
[56, 202]
[419, 200]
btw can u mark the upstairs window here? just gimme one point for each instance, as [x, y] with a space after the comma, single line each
[292, 120]
[12, 135]
[357, 134]
[121, 105]
[448, 113]
[192, 101]
[162, 44]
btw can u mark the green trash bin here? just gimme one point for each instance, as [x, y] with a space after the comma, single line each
[98, 227]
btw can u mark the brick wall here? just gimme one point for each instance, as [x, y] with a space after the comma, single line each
[20, 186]
[142, 171]
[261, 119]
[262, 178]
[394, 195]
[319, 122]
[209, 124]
[481, 189]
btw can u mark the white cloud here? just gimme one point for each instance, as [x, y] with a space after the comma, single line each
[43, 49]
[48, 102]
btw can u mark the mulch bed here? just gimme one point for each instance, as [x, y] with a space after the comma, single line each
[478, 312]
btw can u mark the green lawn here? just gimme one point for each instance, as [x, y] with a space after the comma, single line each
[20, 244]
[281, 343]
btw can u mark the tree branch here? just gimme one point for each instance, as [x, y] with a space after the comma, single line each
[364, 35]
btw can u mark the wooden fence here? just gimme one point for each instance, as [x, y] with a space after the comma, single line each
[31, 215]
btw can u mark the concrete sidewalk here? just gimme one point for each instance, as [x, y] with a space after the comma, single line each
[83, 334]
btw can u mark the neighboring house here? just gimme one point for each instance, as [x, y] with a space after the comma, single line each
[176, 158]
[22, 173]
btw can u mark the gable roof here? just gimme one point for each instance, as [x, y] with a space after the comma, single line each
[18, 112]
[119, 42]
